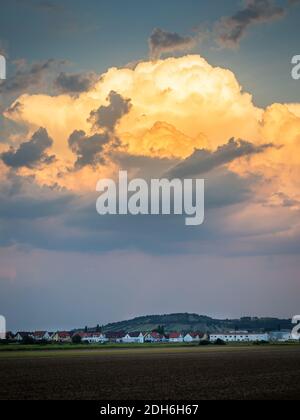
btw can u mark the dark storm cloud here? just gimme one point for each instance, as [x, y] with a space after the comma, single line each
[21, 198]
[107, 117]
[88, 149]
[163, 42]
[30, 154]
[31, 208]
[28, 76]
[202, 161]
[49, 219]
[75, 83]
[230, 30]
[159, 234]
[28, 211]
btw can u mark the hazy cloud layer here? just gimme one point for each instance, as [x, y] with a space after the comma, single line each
[30, 154]
[28, 76]
[75, 82]
[163, 42]
[202, 161]
[230, 30]
[227, 32]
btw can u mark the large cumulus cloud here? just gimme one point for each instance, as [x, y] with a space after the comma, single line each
[172, 116]
[176, 105]
[165, 110]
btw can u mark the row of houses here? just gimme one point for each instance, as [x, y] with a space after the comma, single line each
[149, 337]
[112, 337]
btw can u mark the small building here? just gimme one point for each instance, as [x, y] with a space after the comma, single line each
[93, 338]
[22, 335]
[193, 337]
[154, 337]
[176, 337]
[62, 337]
[239, 337]
[41, 336]
[280, 336]
[134, 338]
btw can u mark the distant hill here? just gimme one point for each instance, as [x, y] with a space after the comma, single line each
[193, 322]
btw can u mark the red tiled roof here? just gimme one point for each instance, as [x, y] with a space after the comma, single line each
[63, 334]
[175, 335]
[39, 333]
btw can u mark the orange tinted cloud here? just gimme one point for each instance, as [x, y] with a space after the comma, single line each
[186, 93]
[178, 104]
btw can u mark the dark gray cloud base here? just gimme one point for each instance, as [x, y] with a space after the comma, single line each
[88, 148]
[30, 154]
[28, 76]
[203, 161]
[75, 82]
[107, 117]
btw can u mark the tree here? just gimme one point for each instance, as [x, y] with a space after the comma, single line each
[28, 340]
[86, 329]
[220, 342]
[98, 329]
[204, 343]
[160, 330]
[76, 339]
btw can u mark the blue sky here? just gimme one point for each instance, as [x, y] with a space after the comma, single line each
[95, 35]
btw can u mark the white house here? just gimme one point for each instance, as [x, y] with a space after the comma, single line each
[154, 337]
[238, 337]
[62, 337]
[133, 338]
[193, 337]
[281, 336]
[41, 336]
[175, 338]
[21, 335]
[94, 338]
